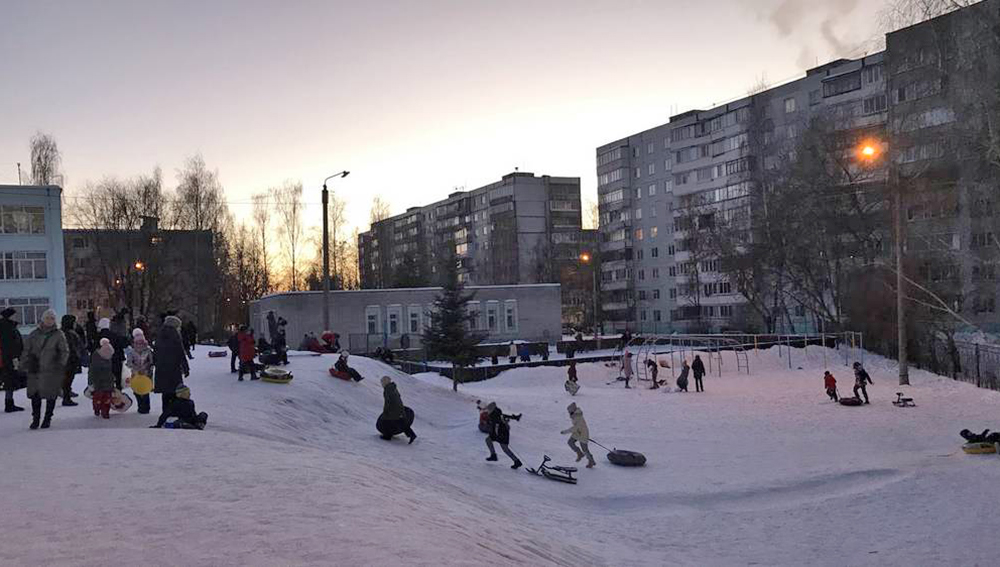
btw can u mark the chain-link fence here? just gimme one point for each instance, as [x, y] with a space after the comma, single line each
[974, 363]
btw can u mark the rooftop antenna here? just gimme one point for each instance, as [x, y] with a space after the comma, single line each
[18, 173]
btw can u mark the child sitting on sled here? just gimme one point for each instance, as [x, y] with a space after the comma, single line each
[830, 383]
[181, 409]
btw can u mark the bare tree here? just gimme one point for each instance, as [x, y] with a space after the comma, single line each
[262, 222]
[380, 210]
[591, 215]
[45, 160]
[289, 205]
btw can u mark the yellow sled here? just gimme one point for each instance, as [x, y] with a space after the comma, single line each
[141, 384]
[276, 376]
[979, 448]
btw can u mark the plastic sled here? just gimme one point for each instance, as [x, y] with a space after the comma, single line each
[217, 354]
[394, 427]
[200, 423]
[141, 384]
[276, 375]
[980, 448]
[561, 474]
[338, 374]
[851, 401]
[624, 458]
[120, 401]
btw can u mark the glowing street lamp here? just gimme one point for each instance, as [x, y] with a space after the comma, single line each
[140, 266]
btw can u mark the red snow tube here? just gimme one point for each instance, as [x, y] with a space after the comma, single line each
[338, 374]
[850, 401]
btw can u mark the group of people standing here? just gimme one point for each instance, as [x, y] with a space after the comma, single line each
[51, 356]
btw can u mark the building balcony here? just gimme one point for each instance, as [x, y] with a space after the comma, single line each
[615, 285]
[616, 245]
[618, 306]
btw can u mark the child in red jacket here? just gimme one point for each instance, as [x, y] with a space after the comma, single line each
[830, 383]
[248, 350]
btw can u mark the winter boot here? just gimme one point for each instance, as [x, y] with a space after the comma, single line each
[36, 412]
[579, 456]
[68, 400]
[491, 458]
[413, 437]
[590, 461]
[50, 406]
[9, 407]
[516, 465]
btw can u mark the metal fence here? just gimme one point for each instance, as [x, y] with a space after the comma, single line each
[974, 363]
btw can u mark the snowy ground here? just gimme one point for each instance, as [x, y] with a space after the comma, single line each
[760, 470]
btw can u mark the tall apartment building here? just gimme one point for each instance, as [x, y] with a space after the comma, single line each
[32, 279]
[944, 111]
[522, 229]
[658, 187]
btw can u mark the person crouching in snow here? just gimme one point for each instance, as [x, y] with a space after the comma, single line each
[393, 409]
[182, 409]
[500, 433]
[572, 386]
[247, 351]
[140, 362]
[101, 379]
[830, 383]
[579, 433]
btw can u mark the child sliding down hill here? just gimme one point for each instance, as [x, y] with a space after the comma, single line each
[181, 410]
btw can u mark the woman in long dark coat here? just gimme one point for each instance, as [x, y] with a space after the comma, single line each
[47, 346]
[170, 361]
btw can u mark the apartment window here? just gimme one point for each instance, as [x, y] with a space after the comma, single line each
[653, 230]
[638, 173]
[656, 273]
[638, 214]
[725, 287]
[651, 169]
[875, 104]
[492, 316]
[800, 310]
[475, 314]
[23, 266]
[725, 311]
[667, 164]
[789, 105]
[28, 310]
[670, 249]
[16, 219]
[642, 275]
[638, 234]
[635, 151]
[673, 293]
[638, 254]
[673, 271]
[638, 192]
[373, 317]
[652, 211]
[414, 313]
[510, 315]
[842, 84]
[656, 315]
[642, 315]
[814, 97]
[394, 314]
[656, 294]
[654, 252]
[649, 148]
[642, 295]
[652, 190]
[872, 74]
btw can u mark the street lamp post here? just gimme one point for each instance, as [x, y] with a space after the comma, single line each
[326, 250]
[586, 258]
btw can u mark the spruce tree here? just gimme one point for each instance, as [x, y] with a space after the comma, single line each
[448, 336]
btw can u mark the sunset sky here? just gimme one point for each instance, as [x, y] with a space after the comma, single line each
[414, 97]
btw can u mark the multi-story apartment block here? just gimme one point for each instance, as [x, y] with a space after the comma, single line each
[32, 279]
[522, 229]
[944, 108]
[657, 189]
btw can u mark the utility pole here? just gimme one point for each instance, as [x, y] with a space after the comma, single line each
[904, 370]
[326, 250]
[19, 173]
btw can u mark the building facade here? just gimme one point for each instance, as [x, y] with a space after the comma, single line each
[523, 229]
[659, 189]
[32, 278]
[149, 271]
[385, 316]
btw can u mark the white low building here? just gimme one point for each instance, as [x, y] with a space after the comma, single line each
[32, 268]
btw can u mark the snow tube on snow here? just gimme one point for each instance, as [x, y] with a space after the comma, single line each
[217, 354]
[338, 374]
[979, 448]
[395, 426]
[276, 375]
[850, 401]
[625, 458]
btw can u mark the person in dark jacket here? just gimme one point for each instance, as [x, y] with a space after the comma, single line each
[281, 342]
[393, 409]
[119, 343]
[182, 409]
[500, 433]
[11, 346]
[272, 326]
[682, 380]
[190, 336]
[170, 364]
[248, 351]
[572, 385]
[861, 381]
[101, 380]
[698, 369]
[75, 345]
[234, 352]
[91, 331]
[654, 371]
[342, 366]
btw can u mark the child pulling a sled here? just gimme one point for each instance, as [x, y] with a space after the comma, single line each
[579, 433]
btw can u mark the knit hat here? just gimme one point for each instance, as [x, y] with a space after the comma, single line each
[386, 381]
[172, 321]
[571, 408]
[183, 391]
[137, 332]
[104, 323]
[106, 350]
[491, 406]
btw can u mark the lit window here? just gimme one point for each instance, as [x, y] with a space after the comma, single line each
[789, 105]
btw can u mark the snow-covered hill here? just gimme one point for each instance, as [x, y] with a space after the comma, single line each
[759, 469]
